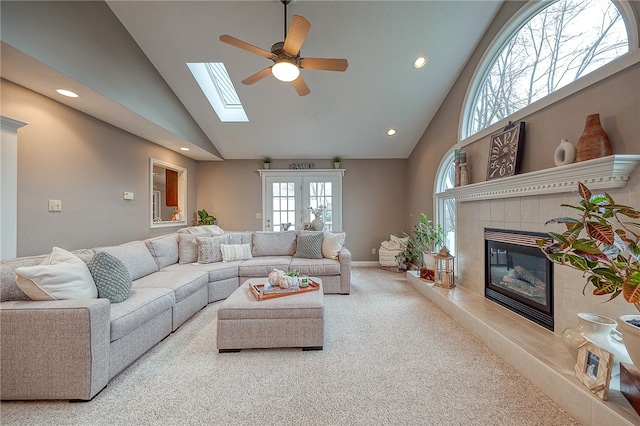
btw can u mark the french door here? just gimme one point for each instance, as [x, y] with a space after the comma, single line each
[289, 198]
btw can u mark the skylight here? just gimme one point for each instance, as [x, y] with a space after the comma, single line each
[216, 85]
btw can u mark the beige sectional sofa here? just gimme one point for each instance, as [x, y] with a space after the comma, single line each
[70, 349]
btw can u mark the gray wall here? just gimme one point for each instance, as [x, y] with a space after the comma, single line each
[373, 198]
[67, 155]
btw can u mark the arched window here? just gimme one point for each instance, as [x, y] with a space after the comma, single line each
[445, 205]
[548, 46]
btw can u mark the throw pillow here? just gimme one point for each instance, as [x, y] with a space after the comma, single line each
[309, 246]
[188, 247]
[209, 248]
[332, 244]
[231, 252]
[61, 275]
[111, 276]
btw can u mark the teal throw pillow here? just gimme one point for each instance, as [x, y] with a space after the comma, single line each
[112, 278]
[309, 246]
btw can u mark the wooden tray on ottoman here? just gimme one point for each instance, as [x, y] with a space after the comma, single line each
[258, 291]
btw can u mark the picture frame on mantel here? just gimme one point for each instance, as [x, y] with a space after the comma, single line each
[593, 368]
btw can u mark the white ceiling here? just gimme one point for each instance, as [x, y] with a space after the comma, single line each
[346, 114]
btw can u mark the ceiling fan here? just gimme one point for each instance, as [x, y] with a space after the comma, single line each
[286, 55]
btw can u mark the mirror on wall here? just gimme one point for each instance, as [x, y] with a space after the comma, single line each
[168, 194]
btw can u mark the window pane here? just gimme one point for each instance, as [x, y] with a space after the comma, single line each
[558, 45]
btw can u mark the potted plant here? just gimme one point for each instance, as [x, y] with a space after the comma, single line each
[409, 253]
[429, 239]
[336, 162]
[266, 161]
[204, 218]
[293, 276]
[604, 243]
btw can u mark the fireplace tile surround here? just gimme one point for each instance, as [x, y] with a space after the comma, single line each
[537, 353]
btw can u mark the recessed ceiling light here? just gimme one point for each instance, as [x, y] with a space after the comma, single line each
[184, 148]
[68, 93]
[420, 62]
[391, 132]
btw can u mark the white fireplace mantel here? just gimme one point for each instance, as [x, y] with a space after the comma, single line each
[607, 172]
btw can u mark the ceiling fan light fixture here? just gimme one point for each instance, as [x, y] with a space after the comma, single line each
[285, 71]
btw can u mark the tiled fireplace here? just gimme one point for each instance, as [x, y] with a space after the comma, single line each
[517, 275]
[525, 202]
[527, 206]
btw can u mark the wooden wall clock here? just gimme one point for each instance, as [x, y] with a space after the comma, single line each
[505, 151]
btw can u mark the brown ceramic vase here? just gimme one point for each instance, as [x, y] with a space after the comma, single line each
[594, 142]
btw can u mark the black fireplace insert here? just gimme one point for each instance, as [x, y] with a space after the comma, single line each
[518, 275]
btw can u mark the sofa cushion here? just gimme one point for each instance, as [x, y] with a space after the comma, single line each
[240, 237]
[135, 256]
[183, 283]
[263, 266]
[111, 277]
[60, 275]
[274, 243]
[209, 248]
[316, 267]
[164, 249]
[233, 252]
[309, 246]
[142, 305]
[332, 244]
[217, 271]
[9, 290]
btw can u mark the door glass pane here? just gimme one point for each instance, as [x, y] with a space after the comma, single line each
[283, 201]
[321, 202]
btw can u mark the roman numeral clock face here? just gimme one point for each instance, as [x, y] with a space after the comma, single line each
[503, 154]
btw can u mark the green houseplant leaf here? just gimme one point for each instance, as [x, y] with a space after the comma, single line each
[601, 243]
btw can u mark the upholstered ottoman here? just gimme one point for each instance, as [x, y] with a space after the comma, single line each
[295, 321]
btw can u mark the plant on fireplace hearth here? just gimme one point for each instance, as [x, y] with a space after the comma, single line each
[603, 242]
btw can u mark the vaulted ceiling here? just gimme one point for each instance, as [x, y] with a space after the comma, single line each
[346, 113]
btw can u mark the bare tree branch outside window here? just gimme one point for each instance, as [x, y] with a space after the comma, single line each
[561, 43]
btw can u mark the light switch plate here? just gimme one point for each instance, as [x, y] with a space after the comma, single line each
[55, 205]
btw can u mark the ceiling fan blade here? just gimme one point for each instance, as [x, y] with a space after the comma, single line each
[324, 64]
[257, 76]
[246, 46]
[301, 86]
[298, 30]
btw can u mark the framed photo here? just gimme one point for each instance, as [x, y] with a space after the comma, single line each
[593, 368]
[505, 151]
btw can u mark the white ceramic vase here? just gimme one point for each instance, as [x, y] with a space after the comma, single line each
[600, 330]
[317, 224]
[631, 337]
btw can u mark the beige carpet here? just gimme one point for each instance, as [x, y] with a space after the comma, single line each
[390, 357]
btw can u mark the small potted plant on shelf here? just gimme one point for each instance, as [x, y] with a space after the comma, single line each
[604, 243]
[429, 239]
[266, 161]
[336, 162]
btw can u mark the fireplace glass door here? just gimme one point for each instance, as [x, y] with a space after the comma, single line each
[518, 275]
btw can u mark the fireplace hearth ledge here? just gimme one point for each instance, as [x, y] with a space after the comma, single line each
[600, 173]
[536, 353]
